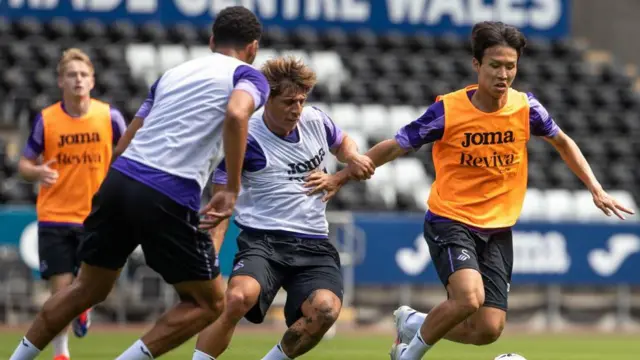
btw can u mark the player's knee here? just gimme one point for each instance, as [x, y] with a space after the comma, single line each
[489, 333]
[325, 309]
[88, 294]
[238, 304]
[470, 302]
[215, 308]
[210, 307]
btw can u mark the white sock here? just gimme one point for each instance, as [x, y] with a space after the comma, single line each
[276, 354]
[416, 350]
[199, 355]
[25, 351]
[414, 322]
[61, 344]
[137, 351]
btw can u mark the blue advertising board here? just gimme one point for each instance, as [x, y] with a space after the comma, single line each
[394, 251]
[544, 253]
[20, 230]
[545, 18]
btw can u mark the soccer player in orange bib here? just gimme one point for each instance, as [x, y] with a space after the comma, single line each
[480, 135]
[74, 139]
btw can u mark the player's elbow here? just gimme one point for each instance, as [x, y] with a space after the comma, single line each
[237, 116]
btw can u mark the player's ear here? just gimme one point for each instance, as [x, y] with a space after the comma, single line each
[60, 81]
[476, 64]
[251, 51]
[212, 43]
[92, 81]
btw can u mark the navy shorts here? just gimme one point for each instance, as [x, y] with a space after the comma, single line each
[454, 246]
[126, 213]
[57, 249]
[300, 266]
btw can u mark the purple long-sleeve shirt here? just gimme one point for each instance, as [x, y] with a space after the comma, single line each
[35, 143]
[255, 160]
[430, 127]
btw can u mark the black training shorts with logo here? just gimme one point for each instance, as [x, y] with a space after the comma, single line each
[454, 246]
[299, 265]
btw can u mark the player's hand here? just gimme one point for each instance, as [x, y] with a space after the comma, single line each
[46, 175]
[609, 205]
[361, 167]
[320, 181]
[219, 208]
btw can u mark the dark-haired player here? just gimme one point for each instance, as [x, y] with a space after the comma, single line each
[480, 157]
[151, 195]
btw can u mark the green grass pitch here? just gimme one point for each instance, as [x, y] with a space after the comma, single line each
[106, 345]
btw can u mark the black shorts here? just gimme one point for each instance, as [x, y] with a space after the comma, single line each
[300, 266]
[453, 246]
[126, 213]
[57, 249]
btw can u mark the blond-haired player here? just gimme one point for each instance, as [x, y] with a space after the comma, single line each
[68, 152]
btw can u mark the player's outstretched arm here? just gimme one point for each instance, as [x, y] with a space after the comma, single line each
[362, 168]
[385, 151]
[573, 157]
[128, 135]
[380, 154]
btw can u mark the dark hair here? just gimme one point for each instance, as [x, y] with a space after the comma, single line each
[236, 26]
[491, 33]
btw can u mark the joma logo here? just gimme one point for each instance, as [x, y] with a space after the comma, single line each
[80, 138]
[488, 138]
[306, 166]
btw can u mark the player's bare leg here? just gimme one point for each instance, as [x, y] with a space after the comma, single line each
[466, 296]
[61, 342]
[201, 302]
[241, 295]
[91, 287]
[482, 328]
[319, 312]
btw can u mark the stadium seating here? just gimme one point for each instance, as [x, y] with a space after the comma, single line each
[370, 84]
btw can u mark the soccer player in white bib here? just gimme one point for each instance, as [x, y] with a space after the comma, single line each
[284, 239]
[151, 194]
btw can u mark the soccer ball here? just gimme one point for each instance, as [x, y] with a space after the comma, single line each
[509, 357]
